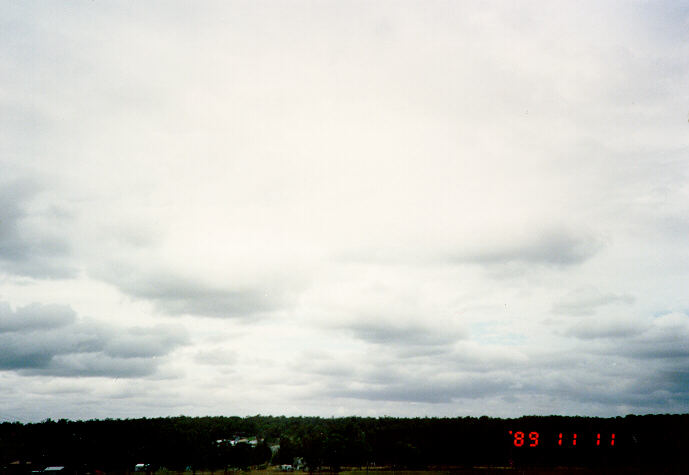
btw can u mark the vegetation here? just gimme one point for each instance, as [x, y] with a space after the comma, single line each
[215, 443]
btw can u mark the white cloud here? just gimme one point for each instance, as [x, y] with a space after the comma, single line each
[386, 208]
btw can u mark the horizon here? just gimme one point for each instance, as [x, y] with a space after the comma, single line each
[353, 416]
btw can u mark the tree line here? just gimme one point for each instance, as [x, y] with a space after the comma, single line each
[210, 443]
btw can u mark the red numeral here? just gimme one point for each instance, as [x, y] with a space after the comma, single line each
[612, 440]
[597, 439]
[574, 439]
[559, 442]
[534, 439]
[518, 439]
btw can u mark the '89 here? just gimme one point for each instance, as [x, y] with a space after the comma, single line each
[532, 439]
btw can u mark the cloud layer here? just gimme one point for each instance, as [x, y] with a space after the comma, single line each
[343, 208]
[51, 340]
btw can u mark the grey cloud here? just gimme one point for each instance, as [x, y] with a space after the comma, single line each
[666, 338]
[472, 357]
[217, 356]
[554, 247]
[589, 383]
[604, 328]
[398, 393]
[94, 364]
[406, 340]
[625, 363]
[557, 247]
[425, 198]
[28, 246]
[179, 295]
[146, 342]
[597, 373]
[629, 383]
[674, 380]
[13, 358]
[324, 364]
[35, 344]
[669, 347]
[216, 303]
[428, 391]
[585, 301]
[378, 332]
[332, 369]
[438, 378]
[35, 316]
[66, 345]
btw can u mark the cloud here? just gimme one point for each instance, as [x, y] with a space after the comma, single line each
[557, 247]
[178, 294]
[609, 327]
[30, 243]
[22, 358]
[428, 389]
[51, 340]
[666, 338]
[35, 316]
[94, 364]
[375, 307]
[488, 244]
[606, 370]
[409, 338]
[587, 300]
[141, 342]
[338, 188]
[627, 362]
[474, 357]
[670, 384]
[385, 372]
[216, 356]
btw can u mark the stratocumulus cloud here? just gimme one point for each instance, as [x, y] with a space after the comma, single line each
[403, 208]
[555, 247]
[29, 246]
[51, 340]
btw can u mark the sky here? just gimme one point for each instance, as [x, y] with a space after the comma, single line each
[329, 208]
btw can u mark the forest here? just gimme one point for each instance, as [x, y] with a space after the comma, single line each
[334, 444]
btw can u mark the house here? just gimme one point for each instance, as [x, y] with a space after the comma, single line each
[299, 463]
[252, 441]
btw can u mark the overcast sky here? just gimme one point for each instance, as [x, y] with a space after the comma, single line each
[343, 208]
